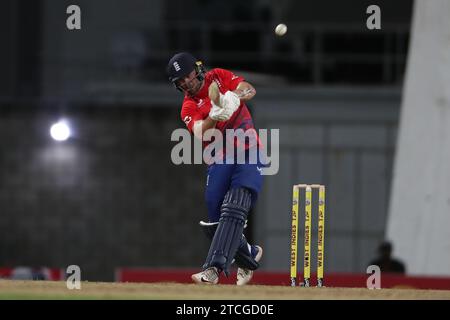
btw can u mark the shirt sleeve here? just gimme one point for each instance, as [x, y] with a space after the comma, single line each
[190, 114]
[229, 79]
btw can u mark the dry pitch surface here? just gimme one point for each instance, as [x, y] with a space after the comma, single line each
[172, 291]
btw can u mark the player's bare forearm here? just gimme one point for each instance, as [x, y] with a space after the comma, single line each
[208, 123]
[201, 126]
[245, 91]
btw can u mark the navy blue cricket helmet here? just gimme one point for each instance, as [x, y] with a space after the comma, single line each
[181, 64]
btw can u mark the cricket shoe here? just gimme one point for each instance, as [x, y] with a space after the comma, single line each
[208, 276]
[245, 275]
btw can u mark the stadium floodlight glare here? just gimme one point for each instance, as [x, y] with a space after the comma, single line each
[60, 131]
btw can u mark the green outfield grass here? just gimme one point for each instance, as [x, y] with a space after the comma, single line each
[171, 291]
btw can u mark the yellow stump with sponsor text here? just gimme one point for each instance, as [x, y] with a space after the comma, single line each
[307, 247]
[294, 235]
[321, 236]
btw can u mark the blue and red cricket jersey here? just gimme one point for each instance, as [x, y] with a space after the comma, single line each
[198, 107]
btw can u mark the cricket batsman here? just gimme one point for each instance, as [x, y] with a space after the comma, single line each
[215, 99]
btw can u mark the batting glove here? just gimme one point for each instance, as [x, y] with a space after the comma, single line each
[230, 101]
[219, 113]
